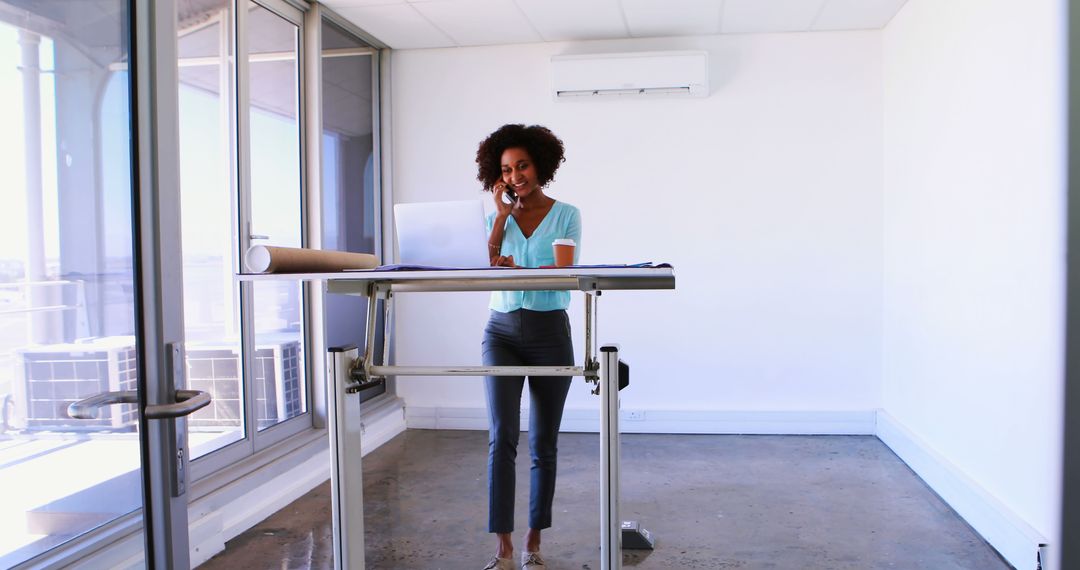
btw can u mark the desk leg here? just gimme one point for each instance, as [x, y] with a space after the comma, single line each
[610, 525]
[346, 475]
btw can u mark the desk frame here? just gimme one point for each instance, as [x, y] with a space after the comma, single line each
[348, 372]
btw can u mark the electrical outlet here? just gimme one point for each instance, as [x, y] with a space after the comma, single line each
[634, 415]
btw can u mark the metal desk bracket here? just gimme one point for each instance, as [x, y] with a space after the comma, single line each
[371, 367]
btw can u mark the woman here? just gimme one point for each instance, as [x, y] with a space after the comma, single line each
[526, 328]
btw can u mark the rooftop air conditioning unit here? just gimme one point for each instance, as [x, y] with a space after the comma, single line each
[643, 74]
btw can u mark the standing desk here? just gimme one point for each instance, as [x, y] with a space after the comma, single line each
[349, 370]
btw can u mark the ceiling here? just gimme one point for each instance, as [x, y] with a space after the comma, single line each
[346, 87]
[411, 24]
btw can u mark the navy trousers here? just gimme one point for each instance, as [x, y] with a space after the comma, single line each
[524, 338]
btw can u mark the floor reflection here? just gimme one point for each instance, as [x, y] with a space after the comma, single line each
[710, 501]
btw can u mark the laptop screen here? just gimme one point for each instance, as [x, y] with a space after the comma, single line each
[442, 234]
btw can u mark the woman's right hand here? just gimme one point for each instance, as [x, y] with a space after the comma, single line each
[503, 261]
[502, 209]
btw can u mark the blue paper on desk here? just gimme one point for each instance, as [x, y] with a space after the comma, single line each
[403, 267]
[407, 267]
[644, 265]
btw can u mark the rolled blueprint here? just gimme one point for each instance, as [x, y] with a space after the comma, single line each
[271, 259]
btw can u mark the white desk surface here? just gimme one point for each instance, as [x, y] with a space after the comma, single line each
[478, 273]
[486, 279]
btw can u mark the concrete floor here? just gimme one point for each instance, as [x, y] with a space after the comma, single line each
[745, 502]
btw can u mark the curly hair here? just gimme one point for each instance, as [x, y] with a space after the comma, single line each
[545, 149]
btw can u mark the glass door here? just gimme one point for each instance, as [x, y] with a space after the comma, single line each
[67, 308]
[272, 213]
[349, 171]
[240, 171]
[90, 449]
[209, 224]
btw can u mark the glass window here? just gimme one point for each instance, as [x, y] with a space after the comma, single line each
[67, 309]
[276, 196]
[208, 217]
[348, 172]
[267, 384]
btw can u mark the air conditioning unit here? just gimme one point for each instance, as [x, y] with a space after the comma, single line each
[643, 74]
[279, 387]
[54, 376]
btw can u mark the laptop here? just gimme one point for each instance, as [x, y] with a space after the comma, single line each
[442, 234]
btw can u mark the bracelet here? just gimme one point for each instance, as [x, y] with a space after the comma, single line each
[493, 246]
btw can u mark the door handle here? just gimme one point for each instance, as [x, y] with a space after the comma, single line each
[253, 235]
[87, 409]
[187, 401]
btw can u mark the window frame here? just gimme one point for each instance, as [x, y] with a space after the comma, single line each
[276, 439]
[254, 440]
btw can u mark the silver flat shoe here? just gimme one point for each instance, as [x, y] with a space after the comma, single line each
[532, 561]
[501, 564]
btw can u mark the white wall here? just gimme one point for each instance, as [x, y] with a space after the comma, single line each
[974, 244]
[766, 197]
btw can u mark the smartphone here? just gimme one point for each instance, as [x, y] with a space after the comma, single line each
[509, 197]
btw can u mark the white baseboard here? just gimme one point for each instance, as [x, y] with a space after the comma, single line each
[242, 501]
[264, 500]
[858, 422]
[1017, 541]
[215, 521]
[1013, 538]
[382, 423]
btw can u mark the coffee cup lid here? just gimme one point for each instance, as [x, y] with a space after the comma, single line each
[563, 241]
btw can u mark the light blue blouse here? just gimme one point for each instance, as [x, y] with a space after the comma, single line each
[563, 221]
